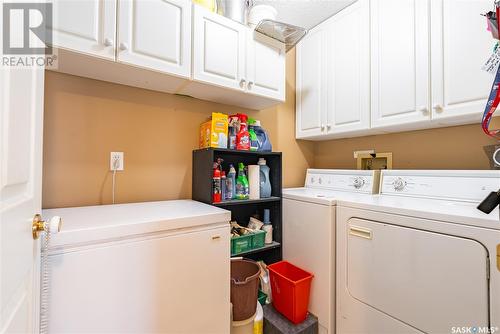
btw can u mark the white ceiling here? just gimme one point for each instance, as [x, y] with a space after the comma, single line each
[305, 13]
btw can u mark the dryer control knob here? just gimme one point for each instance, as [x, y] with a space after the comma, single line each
[359, 182]
[399, 184]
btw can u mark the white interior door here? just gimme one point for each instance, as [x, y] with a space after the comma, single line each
[87, 26]
[311, 97]
[400, 62]
[265, 66]
[219, 50]
[349, 69]
[21, 116]
[429, 281]
[460, 46]
[156, 34]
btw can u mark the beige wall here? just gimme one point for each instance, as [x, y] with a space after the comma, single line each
[87, 119]
[459, 147]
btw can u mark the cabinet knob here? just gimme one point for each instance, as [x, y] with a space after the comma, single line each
[108, 42]
[424, 110]
[328, 126]
[438, 108]
[242, 83]
[249, 86]
[123, 46]
[322, 127]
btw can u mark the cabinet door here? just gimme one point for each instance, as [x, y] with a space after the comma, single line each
[460, 46]
[86, 26]
[265, 66]
[349, 70]
[399, 62]
[219, 50]
[311, 84]
[156, 34]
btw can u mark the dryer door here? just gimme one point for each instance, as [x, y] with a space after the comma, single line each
[427, 280]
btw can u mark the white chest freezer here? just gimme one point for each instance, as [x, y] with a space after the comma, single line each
[157, 267]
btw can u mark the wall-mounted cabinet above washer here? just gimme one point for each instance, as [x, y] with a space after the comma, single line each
[425, 73]
[170, 46]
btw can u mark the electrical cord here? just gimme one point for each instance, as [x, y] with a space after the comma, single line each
[116, 162]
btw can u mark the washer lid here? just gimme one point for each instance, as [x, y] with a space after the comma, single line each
[92, 224]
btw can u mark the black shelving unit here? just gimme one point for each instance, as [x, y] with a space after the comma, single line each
[242, 210]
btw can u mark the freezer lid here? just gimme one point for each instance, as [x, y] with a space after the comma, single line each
[93, 224]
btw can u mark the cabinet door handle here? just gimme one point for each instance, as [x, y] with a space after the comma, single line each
[216, 237]
[424, 110]
[123, 46]
[438, 108]
[108, 42]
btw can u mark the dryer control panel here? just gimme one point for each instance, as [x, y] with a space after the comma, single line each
[445, 184]
[343, 180]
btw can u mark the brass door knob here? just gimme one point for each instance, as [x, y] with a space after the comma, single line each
[54, 225]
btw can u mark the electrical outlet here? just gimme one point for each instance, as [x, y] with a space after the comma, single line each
[116, 161]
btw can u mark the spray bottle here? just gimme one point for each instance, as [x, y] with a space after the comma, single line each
[242, 191]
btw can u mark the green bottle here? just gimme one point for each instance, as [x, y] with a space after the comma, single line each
[254, 143]
[242, 191]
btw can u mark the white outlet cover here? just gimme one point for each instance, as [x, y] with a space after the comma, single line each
[112, 157]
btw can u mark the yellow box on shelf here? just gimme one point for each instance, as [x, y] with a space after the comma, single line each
[213, 133]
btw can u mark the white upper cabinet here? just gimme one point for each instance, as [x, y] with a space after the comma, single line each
[87, 26]
[219, 50]
[399, 62]
[311, 98]
[349, 70]
[155, 34]
[460, 46]
[265, 66]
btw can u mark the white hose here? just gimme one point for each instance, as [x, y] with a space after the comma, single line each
[53, 226]
[45, 271]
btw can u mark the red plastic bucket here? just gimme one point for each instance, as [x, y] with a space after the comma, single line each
[290, 287]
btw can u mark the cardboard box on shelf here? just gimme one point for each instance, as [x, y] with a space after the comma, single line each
[213, 133]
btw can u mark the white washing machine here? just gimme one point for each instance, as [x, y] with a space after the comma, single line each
[419, 257]
[309, 231]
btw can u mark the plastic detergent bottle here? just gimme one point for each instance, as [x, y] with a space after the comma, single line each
[216, 198]
[268, 228]
[241, 183]
[231, 183]
[254, 143]
[262, 138]
[223, 185]
[265, 182]
[243, 137]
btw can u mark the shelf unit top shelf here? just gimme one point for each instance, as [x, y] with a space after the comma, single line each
[238, 152]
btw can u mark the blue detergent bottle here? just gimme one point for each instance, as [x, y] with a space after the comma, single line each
[265, 182]
[231, 183]
[264, 142]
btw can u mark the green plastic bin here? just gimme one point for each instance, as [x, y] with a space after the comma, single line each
[258, 239]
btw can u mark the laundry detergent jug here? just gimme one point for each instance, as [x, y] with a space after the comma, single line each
[265, 182]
